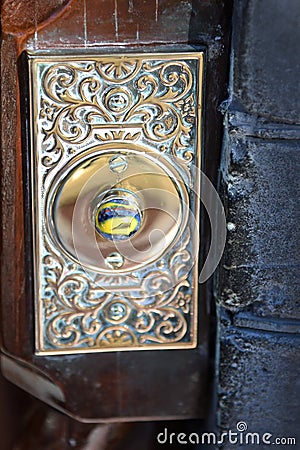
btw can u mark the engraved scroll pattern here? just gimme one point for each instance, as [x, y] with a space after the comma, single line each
[80, 311]
[118, 99]
[79, 99]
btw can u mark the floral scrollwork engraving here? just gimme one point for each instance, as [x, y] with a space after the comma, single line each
[81, 313]
[148, 102]
[159, 97]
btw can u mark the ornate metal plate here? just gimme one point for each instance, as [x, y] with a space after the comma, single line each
[115, 155]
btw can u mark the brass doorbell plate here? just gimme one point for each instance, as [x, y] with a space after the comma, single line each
[115, 159]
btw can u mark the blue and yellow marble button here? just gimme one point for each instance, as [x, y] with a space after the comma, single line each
[118, 218]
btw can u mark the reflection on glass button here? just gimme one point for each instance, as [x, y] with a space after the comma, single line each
[118, 216]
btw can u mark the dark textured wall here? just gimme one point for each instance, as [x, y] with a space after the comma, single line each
[258, 294]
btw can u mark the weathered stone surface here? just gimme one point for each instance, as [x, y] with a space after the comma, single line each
[266, 41]
[259, 277]
[261, 260]
[259, 382]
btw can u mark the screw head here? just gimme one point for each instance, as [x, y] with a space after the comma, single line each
[117, 311]
[114, 260]
[118, 164]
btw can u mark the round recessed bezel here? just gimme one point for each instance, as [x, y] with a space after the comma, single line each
[70, 221]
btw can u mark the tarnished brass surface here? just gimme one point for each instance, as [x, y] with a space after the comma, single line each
[121, 131]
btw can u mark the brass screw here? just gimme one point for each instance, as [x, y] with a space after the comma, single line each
[117, 311]
[114, 260]
[118, 163]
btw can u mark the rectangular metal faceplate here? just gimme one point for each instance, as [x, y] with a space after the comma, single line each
[109, 135]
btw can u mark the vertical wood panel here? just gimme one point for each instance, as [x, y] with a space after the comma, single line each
[112, 386]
